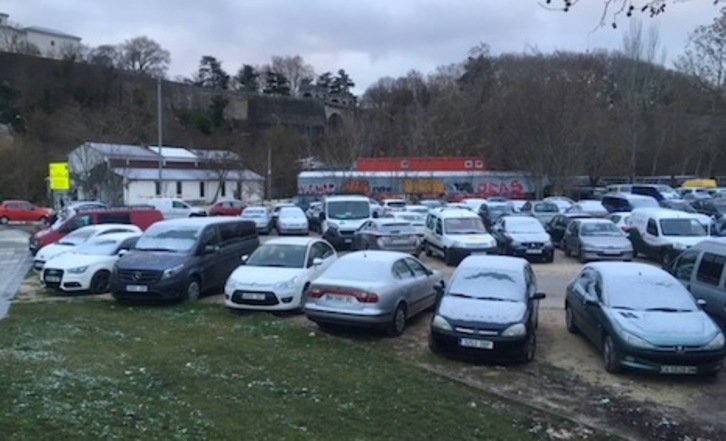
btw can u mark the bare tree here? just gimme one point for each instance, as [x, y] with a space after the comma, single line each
[144, 55]
[294, 68]
[105, 55]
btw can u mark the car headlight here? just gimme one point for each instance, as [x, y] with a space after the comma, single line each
[679, 246]
[456, 244]
[286, 284]
[716, 343]
[78, 270]
[548, 244]
[517, 330]
[636, 341]
[441, 323]
[173, 271]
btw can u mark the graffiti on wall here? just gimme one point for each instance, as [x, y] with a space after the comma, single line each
[357, 186]
[512, 188]
[323, 188]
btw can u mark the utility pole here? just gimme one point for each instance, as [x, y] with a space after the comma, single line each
[269, 171]
[159, 132]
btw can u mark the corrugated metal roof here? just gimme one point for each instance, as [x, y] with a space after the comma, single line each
[174, 152]
[50, 31]
[122, 150]
[215, 155]
[152, 174]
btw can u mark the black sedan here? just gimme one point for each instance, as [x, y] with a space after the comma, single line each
[642, 318]
[523, 236]
[711, 207]
[558, 225]
[387, 234]
[489, 311]
[490, 212]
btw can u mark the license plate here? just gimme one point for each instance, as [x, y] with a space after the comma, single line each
[38, 265]
[52, 279]
[474, 343]
[137, 288]
[338, 298]
[534, 251]
[399, 242]
[253, 296]
[348, 240]
[612, 253]
[690, 370]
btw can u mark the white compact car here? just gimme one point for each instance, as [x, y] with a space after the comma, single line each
[77, 237]
[291, 220]
[278, 274]
[88, 267]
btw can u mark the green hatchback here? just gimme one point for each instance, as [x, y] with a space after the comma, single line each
[642, 318]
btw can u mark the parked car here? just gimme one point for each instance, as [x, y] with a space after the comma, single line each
[489, 311]
[640, 317]
[387, 234]
[391, 205]
[490, 212]
[432, 203]
[276, 211]
[183, 258]
[342, 216]
[261, 217]
[591, 207]
[517, 204]
[596, 239]
[231, 207]
[563, 203]
[707, 221]
[417, 220]
[174, 208]
[660, 192]
[313, 215]
[616, 202]
[523, 236]
[621, 219]
[277, 275]
[661, 234]
[141, 216]
[557, 226]
[715, 208]
[88, 267]
[418, 209]
[473, 203]
[71, 241]
[376, 208]
[373, 288]
[291, 220]
[23, 211]
[455, 233]
[543, 211]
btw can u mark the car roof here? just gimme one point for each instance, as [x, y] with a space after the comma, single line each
[104, 227]
[292, 241]
[617, 269]
[445, 212]
[507, 263]
[374, 256]
[198, 222]
[665, 213]
[347, 198]
[628, 196]
[595, 220]
[118, 236]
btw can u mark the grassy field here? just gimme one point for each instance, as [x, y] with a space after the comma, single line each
[97, 370]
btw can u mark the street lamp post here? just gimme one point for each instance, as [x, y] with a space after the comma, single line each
[159, 132]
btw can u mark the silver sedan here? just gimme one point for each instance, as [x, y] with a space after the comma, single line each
[373, 288]
[596, 239]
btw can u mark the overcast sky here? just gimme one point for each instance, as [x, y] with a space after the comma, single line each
[370, 39]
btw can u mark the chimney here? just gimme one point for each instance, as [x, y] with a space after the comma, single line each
[4, 19]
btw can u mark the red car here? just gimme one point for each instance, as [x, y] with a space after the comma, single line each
[23, 211]
[231, 207]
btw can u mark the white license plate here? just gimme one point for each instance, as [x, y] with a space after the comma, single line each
[399, 242]
[348, 240]
[253, 296]
[678, 370]
[612, 253]
[534, 251]
[474, 343]
[338, 298]
[52, 279]
[137, 288]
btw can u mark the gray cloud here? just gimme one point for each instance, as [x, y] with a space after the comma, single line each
[369, 39]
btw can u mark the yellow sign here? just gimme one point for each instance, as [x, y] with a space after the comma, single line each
[60, 176]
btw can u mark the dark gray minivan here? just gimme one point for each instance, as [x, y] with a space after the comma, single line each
[183, 258]
[701, 269]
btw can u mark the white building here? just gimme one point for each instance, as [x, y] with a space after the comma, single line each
[131, 174]
[36, 40]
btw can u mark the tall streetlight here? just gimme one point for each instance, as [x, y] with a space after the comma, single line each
[159, 131]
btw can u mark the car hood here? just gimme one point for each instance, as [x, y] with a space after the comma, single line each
[148, 260]
[483, 239]
[463, 310]
[693, 328]
[42, 233]
[259, 276]
[53, 250]
[346, 224]
[618, 242]
[530, 237]
[688, 241]
[73, 260]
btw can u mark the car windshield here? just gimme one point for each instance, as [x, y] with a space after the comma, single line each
[278, 255]
[644, 202]
[357, 270]
[487, 284]
[349, 210]
[396, 204]
[682, 227]
[77, 237]
[591, 206]
[546, 207]
[397, 228]
[496, 211]
[99, 247]
[523, 225]
[631, 290]
[173, 238]
[591, 229]
[464, 225]
[415, 219]
[252, 213]
[721, 208]
[291, 213]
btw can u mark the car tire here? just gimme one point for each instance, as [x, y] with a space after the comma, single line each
[665, 257]
[570, 320]
[530, 348]
[4, 220]
[610, 355]
[427, 249]
[565, 249]
[448, 258]
[100, 282]
[550, 257]
[194, 290]
[398, 321]
[581, 256]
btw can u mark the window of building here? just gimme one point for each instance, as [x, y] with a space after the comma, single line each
[157, 187]
[223, 189]
[178, 187]
[201, 189]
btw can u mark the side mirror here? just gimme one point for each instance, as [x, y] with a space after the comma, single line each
[317, 261]
[538, 296]
[210, 249]
[375, 215]
[244, 258]
[591, 301]
[122, 252]
[701, 303]
[439, 288]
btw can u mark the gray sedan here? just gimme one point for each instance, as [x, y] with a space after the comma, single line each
[373, 288]
[390, 234]
[596, 239]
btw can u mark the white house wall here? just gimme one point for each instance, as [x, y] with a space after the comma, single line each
[138, 192]
[52, 46]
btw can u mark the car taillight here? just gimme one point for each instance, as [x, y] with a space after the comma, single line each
[315, 293]
[361, 296]
[365, 297]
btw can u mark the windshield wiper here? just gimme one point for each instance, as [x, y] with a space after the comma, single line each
[626, 308]
[464, 296]
[666, 309]
[467, 296]
[68, 244]
[166, 250]
[271, 265]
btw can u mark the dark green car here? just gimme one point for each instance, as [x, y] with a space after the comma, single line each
[642, 318]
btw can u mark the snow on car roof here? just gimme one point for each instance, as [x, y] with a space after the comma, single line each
[505, 263]
[291, 241]
[374, 256]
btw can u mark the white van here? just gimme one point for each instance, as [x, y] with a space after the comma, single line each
[173, 208]
[662, 233]
[341, 217]
[454, 233]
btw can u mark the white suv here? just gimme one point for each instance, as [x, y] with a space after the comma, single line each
[662, 233]
[455, 233]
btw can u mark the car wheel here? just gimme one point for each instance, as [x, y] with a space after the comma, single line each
[4, 220]
[665, 257]
[427, 250]
[610, 356]
[398, 322]
[570, 320]
[448, 258]
[530, 348]
[581, 256]
[550, 257]
[304, 297]
[193, 290]
[564, 248]
[100, 282]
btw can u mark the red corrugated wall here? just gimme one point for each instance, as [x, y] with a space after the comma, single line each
[421, 164]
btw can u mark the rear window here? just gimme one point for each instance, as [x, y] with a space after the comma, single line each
[114, 218]
[358, 270]
[235, 232]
